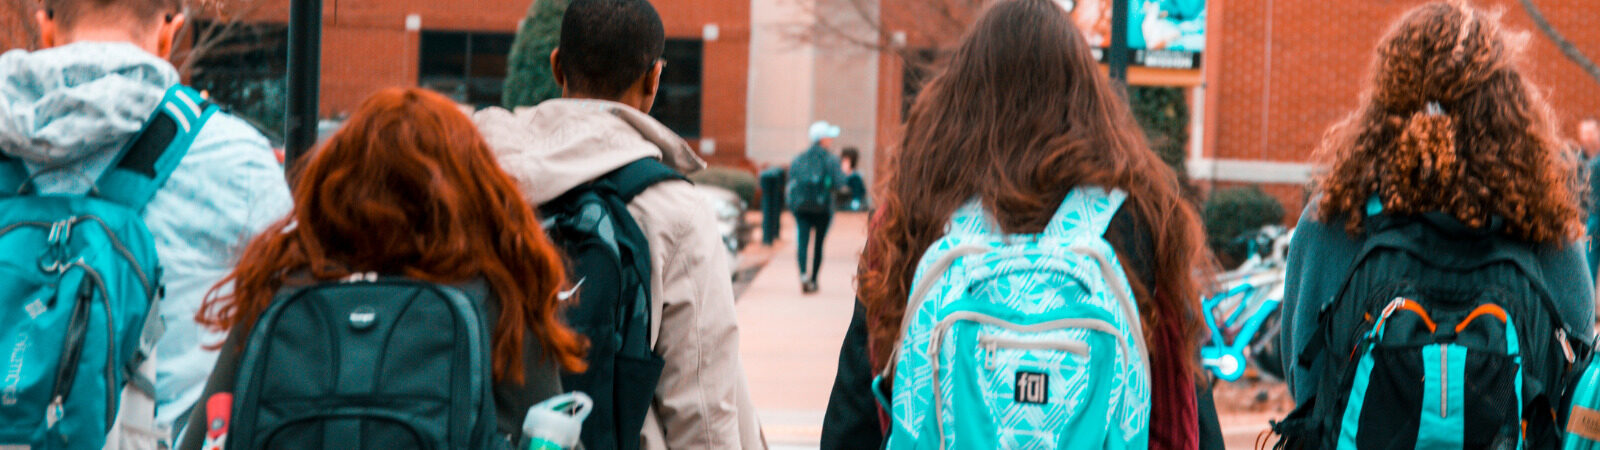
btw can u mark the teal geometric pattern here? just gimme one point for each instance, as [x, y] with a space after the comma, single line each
[990, 309]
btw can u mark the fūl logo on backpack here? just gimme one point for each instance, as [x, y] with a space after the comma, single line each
[8, 396]
[1032, 387]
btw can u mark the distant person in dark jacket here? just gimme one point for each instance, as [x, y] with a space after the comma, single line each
[849, 162]
[814, 179]
[1589, 141]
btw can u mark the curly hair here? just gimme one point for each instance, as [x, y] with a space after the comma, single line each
[1451, 124]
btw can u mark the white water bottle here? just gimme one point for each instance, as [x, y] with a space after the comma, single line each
[554, 424]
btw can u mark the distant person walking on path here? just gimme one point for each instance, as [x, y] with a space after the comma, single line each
[71, 112]
[1445, 231]
[1589, 141]
[598, 135]
[1026, 189]
[850, 163]
[409, 189]
[814, 179]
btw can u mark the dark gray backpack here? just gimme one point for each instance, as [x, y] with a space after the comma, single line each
[371, 363]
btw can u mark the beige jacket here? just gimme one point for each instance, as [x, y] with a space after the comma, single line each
[702, 400]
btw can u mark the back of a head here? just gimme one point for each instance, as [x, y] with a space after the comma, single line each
[1450, 123]
[1020, 114]
[608, 45]
[405, 164]
[850, 155]
[69, 14]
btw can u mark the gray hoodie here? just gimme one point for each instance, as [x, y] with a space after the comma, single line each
[71, 108]
[702, 400]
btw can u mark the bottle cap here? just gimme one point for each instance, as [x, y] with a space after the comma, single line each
[558, 420]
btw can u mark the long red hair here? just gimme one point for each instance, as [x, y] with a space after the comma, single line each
[409, 187]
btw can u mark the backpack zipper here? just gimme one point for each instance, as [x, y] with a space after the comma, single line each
[67, 224]
[1444, 382]
[993, 343]
[71, 353]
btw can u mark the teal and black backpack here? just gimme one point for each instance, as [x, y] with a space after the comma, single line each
[80, 296]
[811, 184]
[609, 257]
[1443, 336]
[1022, 341]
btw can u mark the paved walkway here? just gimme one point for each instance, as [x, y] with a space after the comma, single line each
[789, 341]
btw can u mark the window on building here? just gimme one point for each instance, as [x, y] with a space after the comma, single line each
[244, 69]
[470, 67]
[678, 103]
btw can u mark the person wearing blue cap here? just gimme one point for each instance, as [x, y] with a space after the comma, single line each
[814, 177]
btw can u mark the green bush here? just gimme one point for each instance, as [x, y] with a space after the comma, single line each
[738, 181]
[1163, 112]
[1232, 212]
[528, 77]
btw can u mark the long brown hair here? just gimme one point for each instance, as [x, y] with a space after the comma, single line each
[1021, 116]
[409, 187]
[1451, 124]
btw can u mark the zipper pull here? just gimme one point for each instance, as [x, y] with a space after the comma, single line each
[989, 348]
[1566, 347]
[52, 413]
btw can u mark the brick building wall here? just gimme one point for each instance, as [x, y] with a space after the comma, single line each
[366, 47]
[1280, 72]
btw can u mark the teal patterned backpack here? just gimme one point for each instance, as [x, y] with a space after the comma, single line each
[1022, 341]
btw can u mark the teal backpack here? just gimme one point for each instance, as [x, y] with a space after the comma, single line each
[1022, 341]
[82, 285]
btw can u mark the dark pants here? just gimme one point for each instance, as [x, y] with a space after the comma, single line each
[806, 224]
[772, 181]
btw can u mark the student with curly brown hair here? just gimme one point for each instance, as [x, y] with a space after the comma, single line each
[1444, 241]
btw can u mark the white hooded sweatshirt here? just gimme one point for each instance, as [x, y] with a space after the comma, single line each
[702, 400]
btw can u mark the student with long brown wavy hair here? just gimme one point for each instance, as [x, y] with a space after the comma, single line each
[408, 187]
[1450, 133]
[1019, 117]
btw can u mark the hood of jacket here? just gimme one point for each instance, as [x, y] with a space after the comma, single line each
[560, 144]
[68, 110]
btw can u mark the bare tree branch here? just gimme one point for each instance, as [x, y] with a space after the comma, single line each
[226, 19]
[1567, 47]
[873, 25]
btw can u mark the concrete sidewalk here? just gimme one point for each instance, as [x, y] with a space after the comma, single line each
[789, 341]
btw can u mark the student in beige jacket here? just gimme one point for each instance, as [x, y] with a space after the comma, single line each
[608, 66]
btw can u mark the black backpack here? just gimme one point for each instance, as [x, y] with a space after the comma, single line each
[609, 258]
[369, 363]
[811, 184]
[1442, 335]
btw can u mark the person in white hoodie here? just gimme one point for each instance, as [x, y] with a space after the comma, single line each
[66, 110]
[608, 65]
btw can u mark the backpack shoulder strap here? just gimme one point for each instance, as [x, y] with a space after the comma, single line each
[144, 165]
[631, 180]
[1087, 209]
[12, 175]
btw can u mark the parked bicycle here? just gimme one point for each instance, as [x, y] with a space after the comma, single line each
[1243, 318]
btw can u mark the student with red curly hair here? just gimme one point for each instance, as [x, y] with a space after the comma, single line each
[409, 188]
[1446, 195]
